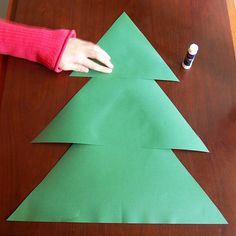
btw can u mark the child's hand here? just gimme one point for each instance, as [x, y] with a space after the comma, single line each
[78, 54]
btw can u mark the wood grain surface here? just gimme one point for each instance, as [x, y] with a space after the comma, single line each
[231, 6]
[206, 96]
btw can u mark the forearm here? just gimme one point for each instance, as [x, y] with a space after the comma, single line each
[36, 44]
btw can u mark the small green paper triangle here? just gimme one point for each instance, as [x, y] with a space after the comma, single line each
[132, 54]
[118, 185]
[121, 112]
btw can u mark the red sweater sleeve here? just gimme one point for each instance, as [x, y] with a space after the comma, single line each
[33, 43]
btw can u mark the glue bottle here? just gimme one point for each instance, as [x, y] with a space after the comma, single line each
[189, 58]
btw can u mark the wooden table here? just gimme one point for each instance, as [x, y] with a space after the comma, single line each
[206, 96]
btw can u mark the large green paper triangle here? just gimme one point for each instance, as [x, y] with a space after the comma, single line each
[118, 185]
[117, 112]
[132, 54]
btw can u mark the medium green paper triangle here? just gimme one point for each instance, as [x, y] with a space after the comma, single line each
[132, 54]
[117, 112]
[118, 185]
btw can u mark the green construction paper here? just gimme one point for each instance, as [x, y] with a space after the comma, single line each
[118, 185]
[132, 54]
[117, 112]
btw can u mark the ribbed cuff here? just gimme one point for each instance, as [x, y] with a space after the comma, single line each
[71, 34]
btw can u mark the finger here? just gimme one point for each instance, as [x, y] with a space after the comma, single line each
[103, 60]
[94, 66]
[76, 67]
[97, 50]
[103, 52]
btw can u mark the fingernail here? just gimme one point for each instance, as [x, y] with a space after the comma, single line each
[111, 65]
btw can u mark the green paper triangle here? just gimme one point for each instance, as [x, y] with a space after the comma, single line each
[132, 54]
[118, 185]
[121, 112]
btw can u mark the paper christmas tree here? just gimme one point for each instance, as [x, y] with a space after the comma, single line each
[120, 168]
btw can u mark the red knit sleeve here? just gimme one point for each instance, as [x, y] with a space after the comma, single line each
[36, 44]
